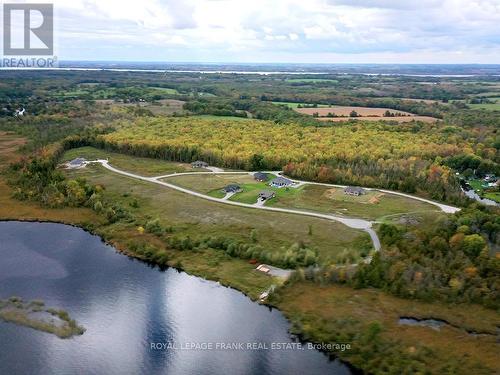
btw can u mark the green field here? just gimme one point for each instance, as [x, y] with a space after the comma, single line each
[166, 90]
[374, 205]
[487, 106]
[210, 182]
[494, 196]
[142, 166]
[199, 218]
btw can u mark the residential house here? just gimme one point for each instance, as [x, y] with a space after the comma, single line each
[281, 182]
[266, 194]
[354, 190]
[232, 188]
[199, 164]
[76, 163]
[260, 176]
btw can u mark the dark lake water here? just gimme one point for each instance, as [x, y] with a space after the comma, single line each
[125, 306]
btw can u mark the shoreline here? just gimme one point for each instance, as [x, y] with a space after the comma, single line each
[125, 252]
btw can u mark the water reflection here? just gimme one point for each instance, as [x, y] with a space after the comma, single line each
[125, 306]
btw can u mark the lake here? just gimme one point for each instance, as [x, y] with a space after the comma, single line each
[139, 320]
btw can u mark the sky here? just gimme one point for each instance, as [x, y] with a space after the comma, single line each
[274, 31]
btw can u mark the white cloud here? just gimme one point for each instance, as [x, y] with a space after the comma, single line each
[461, 30]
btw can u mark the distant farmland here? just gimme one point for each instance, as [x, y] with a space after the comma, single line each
[363, 113]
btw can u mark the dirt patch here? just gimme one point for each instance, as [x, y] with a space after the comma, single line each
[330, 193]
[376, 199]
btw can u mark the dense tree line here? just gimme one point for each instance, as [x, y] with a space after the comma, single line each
[455, 260]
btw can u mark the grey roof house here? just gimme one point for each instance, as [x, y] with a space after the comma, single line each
[354, 190]
[266, 194]
[76, 163]
[232, 188]
[281, 182]
[199, 164]
[260, 176]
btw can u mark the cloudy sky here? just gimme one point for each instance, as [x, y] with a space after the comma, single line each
[314, 31]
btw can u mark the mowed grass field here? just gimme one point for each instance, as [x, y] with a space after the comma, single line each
[374, 205]
[197, 218]
[142, 166]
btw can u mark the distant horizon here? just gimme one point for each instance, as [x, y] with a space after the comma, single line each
[331, 31]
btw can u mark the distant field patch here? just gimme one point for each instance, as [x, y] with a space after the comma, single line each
[296, 105]
[166, 90]
[486, 106]
[362, 113]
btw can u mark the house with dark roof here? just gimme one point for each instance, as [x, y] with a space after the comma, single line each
[354, 190]
[76, 163]
[232, 188]
[199, 164]
[280, 182]
[260, 176]
[266, 194]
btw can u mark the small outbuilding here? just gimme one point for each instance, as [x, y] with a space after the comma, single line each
[260, 176]
[354, 190]
[232, 188]
[280, 182]
[199, 164]
[266, 194]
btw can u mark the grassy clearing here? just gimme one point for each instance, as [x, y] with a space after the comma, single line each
[494, 196]
[166, 90]
[142, 166]
[210, 182]
[165, 107]
[198, 218]
[318, 310]
[373, 205]
[486, 106]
